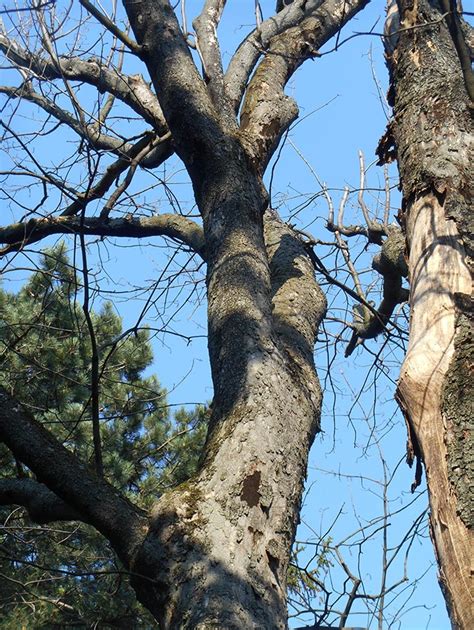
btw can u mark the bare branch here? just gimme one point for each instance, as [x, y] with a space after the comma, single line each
[171, 225]
[94, 379]
[159, 149]
[37, 7]
[42, 505]
[360, 197]
[89, 132]
[135, 162]
[375, 230]
[95, 500]
[148, 152]
[107, 107]
[244, 60]
[208, 45]
[130, 89]
[343, 246]
[183, 95]
[111, 26]
[267, 112]
[50, 47]
[390, 263]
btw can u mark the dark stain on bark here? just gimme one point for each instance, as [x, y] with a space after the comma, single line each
[250, 489]
[387, 148]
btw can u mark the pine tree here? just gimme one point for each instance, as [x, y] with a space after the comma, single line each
[45, 362]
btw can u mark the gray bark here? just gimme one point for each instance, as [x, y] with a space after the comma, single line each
[219, 544]
[433, 134]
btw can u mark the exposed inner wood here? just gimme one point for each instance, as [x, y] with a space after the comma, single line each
[438, 271]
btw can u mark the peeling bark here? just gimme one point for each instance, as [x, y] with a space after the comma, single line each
[433, 134]
[438, 272]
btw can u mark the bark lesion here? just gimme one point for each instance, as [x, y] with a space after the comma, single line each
[432, 133]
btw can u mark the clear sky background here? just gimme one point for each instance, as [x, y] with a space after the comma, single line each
[342, 110]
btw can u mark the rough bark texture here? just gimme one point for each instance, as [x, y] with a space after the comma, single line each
[458, 409]
[218, 546]
[433, 135]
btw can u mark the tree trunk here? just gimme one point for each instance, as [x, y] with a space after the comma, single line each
[433, 135]
[218, 547]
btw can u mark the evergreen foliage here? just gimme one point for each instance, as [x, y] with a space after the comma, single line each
[66, 575]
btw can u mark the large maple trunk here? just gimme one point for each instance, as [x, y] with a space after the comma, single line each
[218, 546]
[433, 134]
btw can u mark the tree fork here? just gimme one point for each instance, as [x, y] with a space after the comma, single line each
[218, 546]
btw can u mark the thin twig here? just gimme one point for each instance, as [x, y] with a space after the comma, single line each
[360, 196]
[112, 27]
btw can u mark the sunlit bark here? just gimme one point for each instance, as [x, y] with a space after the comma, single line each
[433, 135]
